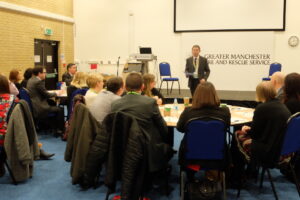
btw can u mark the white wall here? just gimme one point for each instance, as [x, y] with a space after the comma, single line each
[106, 29]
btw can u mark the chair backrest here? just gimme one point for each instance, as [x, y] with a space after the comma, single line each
[291, 141]
[24, 94]
[274, 67]
[205, 139]
[164, 69]
[81, 91]
[58, 85]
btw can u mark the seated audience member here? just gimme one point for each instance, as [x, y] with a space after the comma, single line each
[101, 105]
[261, 143]
[15, 77]
[150, 90]
[145, 110]
[206, 103]
[95, 85]
[67, 77]
[78, 82]
[292, 92]
[27, 75]
[40, 96]
[277, 80]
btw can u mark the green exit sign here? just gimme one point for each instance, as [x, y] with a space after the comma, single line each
[48, 31]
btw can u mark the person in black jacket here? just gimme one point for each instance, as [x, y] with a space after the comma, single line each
[292, 92]
[27, 75]
[67, 77]
[150, 90]
[261, 142]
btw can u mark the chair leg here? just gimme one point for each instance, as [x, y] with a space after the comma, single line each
[295, 178]
[160, 85]
[182, 184]
[262, 177]
[167, 87]
[10, 173]
[224, 185]
[171, 87]
[178, 86]
[272, 184]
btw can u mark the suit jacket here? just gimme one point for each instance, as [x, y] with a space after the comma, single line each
[39, 95]
[66, 77]
[203, 68]
[146, 111]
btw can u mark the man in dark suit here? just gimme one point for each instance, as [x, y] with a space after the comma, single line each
[39, 97]
[145, 110]
[67, 77]
[196, 69]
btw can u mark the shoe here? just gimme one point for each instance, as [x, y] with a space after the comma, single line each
[44, 155]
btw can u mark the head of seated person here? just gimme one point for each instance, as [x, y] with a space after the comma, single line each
[205, 96]
[79, 80]
[149, 84]
[27, 75]
[39, 72]
[15, 76]
[265, 91]
[115, 85]
[277, 79]
[292, 87]
[4, 85]
[95, 82]
[134, 82]
[72, 69]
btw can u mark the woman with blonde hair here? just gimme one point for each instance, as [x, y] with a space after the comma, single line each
[150, 90]
[262, 141]
[95, 84]
[78, 82]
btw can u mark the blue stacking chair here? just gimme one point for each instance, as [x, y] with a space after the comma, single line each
[206, 145]
[274, 67]
[78, 91]
[164, 69]
[24, 94]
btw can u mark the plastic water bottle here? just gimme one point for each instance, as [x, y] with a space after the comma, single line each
[175, 104]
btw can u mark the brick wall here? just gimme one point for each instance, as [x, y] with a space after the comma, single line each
[18, 31]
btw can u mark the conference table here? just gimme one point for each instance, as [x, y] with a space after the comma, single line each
[239, 115]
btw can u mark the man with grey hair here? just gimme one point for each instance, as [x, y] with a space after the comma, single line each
[277, 80]
[196, 69]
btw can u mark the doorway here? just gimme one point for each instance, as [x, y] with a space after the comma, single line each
[46, 55]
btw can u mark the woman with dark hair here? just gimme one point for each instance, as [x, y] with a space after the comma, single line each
[292, 92]
[27, 75]
[6, 101]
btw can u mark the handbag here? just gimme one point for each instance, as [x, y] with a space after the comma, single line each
[203, 189]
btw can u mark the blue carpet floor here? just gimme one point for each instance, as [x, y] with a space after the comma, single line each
[51, 181]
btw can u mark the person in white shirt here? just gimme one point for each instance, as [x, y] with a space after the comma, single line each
[102, 103]
[95, 84]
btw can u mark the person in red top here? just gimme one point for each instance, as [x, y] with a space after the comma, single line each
[6, 100]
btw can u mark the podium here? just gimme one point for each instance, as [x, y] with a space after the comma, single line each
[144, 59]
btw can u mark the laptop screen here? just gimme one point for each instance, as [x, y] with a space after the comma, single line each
[145, 50]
